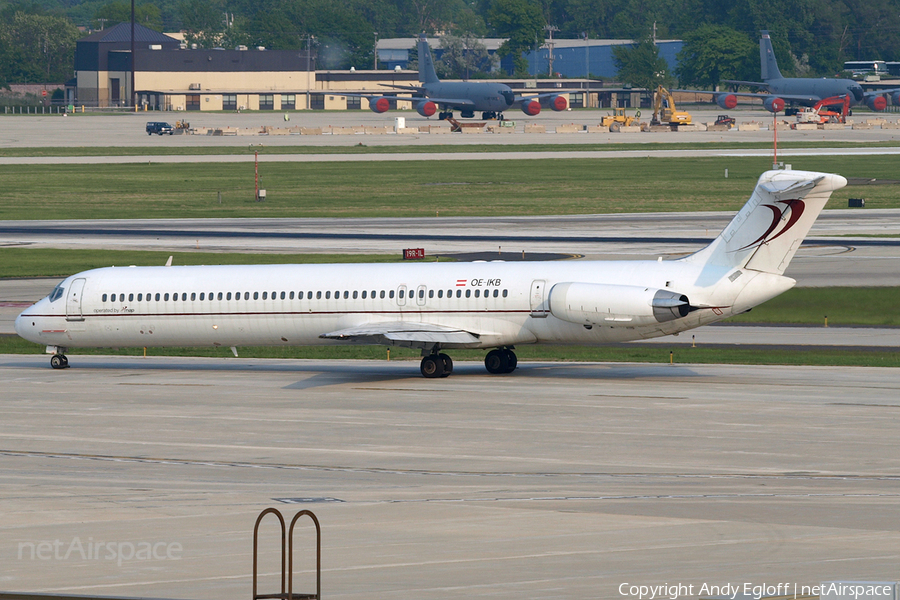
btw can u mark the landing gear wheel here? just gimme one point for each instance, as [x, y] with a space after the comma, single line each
[432, 366]
[448, 364]
[511, 360]
[59, 361]
[496, 362]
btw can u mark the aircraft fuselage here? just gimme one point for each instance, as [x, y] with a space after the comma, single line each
[816, 88]
[484, 96]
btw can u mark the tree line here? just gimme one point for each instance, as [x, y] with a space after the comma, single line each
[811, 37]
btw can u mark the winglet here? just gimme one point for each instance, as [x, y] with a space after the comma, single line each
[169, 262]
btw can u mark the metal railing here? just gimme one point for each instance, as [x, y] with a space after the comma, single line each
[287, 558]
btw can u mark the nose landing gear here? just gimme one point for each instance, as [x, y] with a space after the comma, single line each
[59, 361]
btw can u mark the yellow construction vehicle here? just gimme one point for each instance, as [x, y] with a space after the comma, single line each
[665, 112]
[618, 119]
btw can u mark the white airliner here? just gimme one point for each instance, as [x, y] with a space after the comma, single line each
[440, 306]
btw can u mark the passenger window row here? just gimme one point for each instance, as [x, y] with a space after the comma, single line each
[327, 295]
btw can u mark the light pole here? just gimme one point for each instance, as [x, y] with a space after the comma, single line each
[133, 95]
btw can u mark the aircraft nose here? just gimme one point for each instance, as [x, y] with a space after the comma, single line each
[22, 325]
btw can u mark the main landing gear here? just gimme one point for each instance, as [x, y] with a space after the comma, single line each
[498, 361]
[436, 365]
[501, 360]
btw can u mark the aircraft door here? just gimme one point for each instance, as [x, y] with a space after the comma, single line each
[539, 308]
[420, 295]
[73, 301]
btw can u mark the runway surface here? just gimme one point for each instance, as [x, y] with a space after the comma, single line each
[561, 480]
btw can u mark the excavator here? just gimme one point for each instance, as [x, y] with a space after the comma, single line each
[665, 111]
[824, 111]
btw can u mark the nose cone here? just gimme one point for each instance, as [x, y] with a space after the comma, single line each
[23, 326]
[28, 325]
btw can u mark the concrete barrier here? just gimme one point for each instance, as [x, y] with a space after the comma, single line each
[531, 128]
[890, 125]
[748, 127]
[568, 128]
[310, 131]
[498, 129]
[596, 129]
[438, 130]
[805, 126]
[832, 126]
[345, 131]
[407, 130]
[861, 126]
[279, 131]
[715, 127]
[472, 130]
[877, 122]
[377, 130]
[657, 128]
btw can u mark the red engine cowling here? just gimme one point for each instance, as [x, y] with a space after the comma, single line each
[727, 101]
[426, 108]
[531, 107]
[379, 105]
[877, 103]
[558, 103]
[774, 105]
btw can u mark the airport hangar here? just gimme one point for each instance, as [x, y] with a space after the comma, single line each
[169, 75]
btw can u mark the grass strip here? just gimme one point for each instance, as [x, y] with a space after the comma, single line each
[50, 262]
[866, 306]
[468, 188]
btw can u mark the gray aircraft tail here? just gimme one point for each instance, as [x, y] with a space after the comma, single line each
[426, 63]
[767, 64]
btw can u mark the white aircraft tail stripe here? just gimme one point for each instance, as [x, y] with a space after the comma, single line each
[768, 230]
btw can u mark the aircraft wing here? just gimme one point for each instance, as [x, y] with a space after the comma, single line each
[454, 102]
[803, 99]
[875, 93]
[748, 83]
[547, 95]
[402, 333]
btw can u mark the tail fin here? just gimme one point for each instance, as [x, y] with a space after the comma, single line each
[426, 63]
[766, 233]
[767, 64]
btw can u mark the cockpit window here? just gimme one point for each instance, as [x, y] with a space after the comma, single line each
[57, 293]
